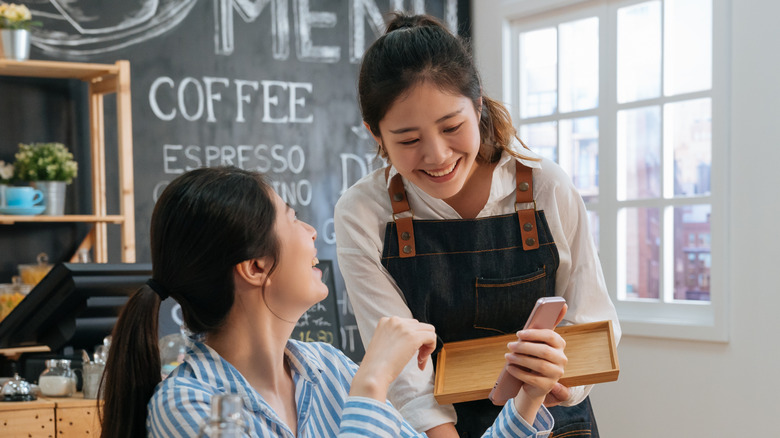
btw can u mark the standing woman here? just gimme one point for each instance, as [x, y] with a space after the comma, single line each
[242, 266]
[465, 228]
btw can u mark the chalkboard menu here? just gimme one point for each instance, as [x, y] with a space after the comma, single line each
[268, 85]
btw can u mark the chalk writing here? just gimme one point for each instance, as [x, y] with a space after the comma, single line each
[348, 337]
[320, 322]
[263, 158]
[361, 166]
[191, 97]
[327, 232]
[305, 19]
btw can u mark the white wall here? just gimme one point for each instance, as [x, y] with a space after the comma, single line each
[699, 389]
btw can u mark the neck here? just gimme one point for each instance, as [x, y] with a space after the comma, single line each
[255, 345]
[475, 192]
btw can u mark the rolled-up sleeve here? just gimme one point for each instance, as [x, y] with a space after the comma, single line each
[373, 294]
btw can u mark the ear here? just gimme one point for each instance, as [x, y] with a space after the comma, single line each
[253, 271]
[378, 140]
[479, 108]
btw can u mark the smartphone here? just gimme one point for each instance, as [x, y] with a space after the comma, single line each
[543, 316]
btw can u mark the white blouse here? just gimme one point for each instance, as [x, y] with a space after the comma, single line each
[361, 216]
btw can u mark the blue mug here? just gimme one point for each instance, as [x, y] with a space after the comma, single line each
[23, 197]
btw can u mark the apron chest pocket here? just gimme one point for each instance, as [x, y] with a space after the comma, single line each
[503, 305]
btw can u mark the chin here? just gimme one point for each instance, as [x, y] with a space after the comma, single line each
[324, 292]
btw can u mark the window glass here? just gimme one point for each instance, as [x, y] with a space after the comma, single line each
[538, 72]
[639, 153]
[641, 243]
[579, 69]
[688, 133]
[687, 46]
[578, 154]
[692, 252]
[542, 138]
[639, 51]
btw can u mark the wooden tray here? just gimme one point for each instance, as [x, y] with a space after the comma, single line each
[467, 370]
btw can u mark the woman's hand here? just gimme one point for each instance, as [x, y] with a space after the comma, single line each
[557, 395]
[537, 360]
[395, 341]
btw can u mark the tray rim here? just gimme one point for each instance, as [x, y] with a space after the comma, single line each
[447, 397]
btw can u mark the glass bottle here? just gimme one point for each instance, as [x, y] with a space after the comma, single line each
[226, 418]
[83, 256]
[57, 380]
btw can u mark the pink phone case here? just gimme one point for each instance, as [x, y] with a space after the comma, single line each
[543, 316]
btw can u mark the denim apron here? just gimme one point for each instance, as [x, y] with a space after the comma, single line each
[474, 278]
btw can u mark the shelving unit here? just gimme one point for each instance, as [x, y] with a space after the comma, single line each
[102, 79]
[47, 417]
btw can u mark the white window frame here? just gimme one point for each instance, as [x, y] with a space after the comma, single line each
[706, 321]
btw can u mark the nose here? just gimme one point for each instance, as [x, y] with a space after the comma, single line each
[437, 151]
[313, 231]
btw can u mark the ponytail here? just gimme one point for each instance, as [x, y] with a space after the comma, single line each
[133, 367]
[497, 132]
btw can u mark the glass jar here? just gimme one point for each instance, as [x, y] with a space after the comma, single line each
[12, 294]
[58, 379]
[226, 419]
[34, 272]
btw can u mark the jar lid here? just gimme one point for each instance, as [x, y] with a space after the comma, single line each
[55, 363]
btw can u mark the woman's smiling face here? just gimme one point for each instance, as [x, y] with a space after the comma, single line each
[296, 282]
[432, 139]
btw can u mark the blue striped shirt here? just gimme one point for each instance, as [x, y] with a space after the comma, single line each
[322, 375]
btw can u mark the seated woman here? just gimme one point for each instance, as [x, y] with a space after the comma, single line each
[241, 265]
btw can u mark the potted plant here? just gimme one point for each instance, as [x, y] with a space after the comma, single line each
[49, 166]
[15, 24]
[6, 173]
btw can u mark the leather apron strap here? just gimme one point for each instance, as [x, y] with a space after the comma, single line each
[524, 195]
[405, 224]
[526, 217]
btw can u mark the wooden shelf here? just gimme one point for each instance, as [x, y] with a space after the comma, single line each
[102, 79]
[55, 69]
[13, 353]
[12, 219]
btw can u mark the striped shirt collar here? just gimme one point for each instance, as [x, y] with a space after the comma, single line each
[210, 368]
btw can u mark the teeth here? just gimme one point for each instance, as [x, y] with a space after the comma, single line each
[315, 261]
[442, 173]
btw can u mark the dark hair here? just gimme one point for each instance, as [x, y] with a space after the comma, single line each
[205, 222]
[416, 49]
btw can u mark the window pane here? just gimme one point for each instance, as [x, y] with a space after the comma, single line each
[692, 258]
[641, 249]
[639, 153]
[579, 59]
[639, 51]
[687, 46]
[578, 154]
[538, 72]
[542, 138]
[688, 132]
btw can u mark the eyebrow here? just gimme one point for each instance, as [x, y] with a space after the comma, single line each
[441, 119]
